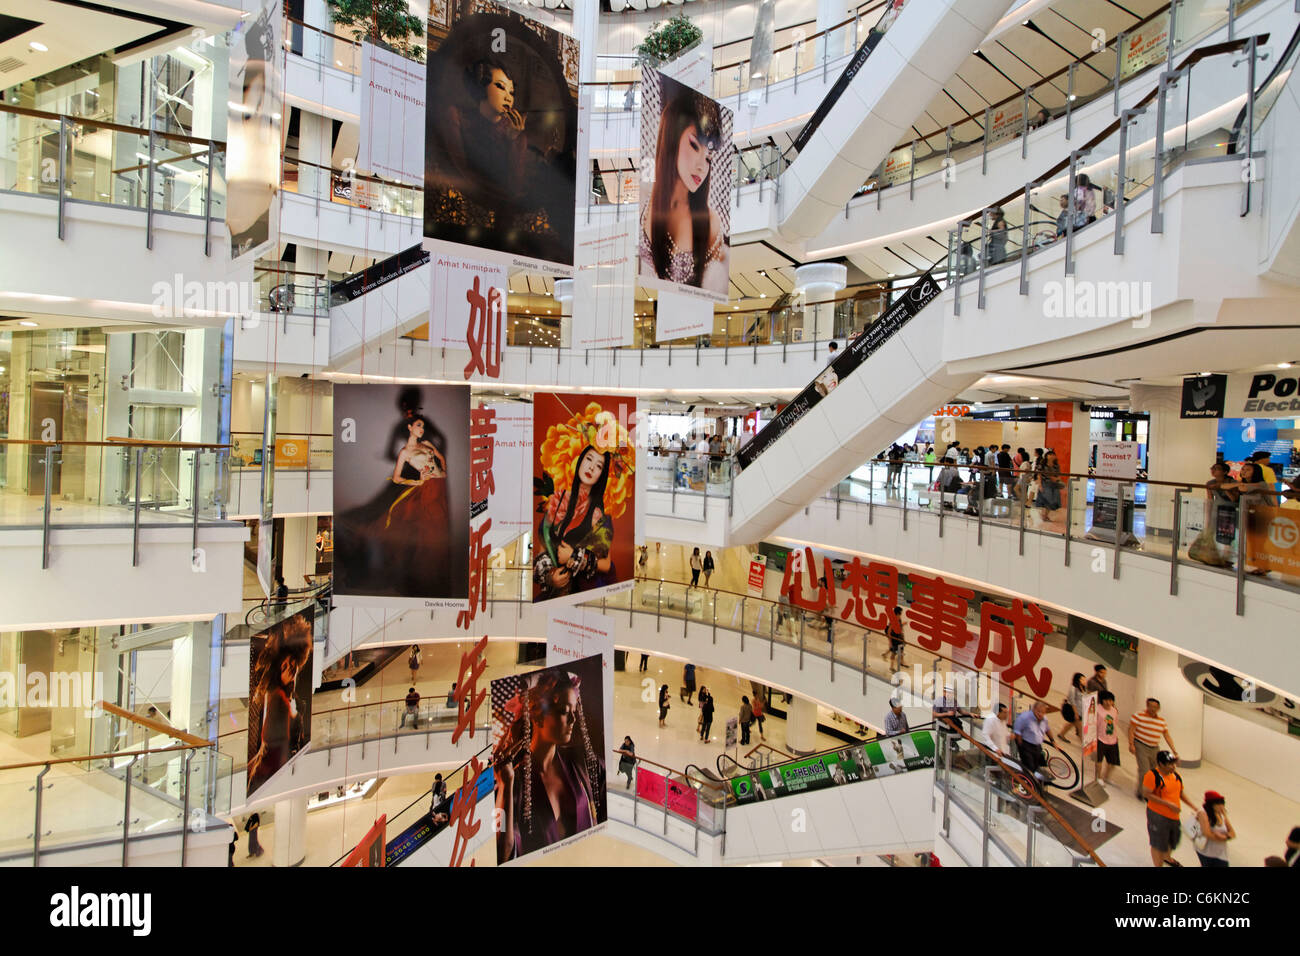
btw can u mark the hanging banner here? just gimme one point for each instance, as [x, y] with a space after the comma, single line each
[879, 758]
[1204, 396]
[680, 798]
[510, 504]
[685, 201]
[549, 713]
[604, 284]
[401, 495]
[467, 306]
[253, 142]
[845, 363]
[577, 633]
[392, 115]
[1089, 717]
[584, 483]
[370, 851]
[501, 148]
[1006, 121]
[279, 697]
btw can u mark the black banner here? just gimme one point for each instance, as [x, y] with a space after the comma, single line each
[1203, 396]
[916, 298]
[384, 271]
[832, 97]
[411, 839]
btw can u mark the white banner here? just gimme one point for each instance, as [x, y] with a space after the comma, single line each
[573, 633]
[604, 284]
[510, 505]
[681, 315]
[392, 115]
[1115, 459]
[454, 300]
[253, 142]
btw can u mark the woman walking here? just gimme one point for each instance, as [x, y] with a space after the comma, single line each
[708, 567]
[663, 704]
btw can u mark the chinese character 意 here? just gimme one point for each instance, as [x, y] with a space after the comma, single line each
[482, 449]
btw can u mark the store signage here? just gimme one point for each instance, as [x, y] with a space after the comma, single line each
[381, 273]
[896, 168]
[1272, 536]
[1204, 396]
[880, 758]
[757, 573]
[1105, 645]
[1146, 45]
[916, 298]
[677, 797]
[952, 411]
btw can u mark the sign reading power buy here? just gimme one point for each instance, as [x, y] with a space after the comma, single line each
[1248, 395]
[1203, 396]
[916, 298]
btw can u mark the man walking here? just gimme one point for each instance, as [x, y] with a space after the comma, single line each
[1145, 731]
[1163, 789]
[1097, 682]
[895, 720]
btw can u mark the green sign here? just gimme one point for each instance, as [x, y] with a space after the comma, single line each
[880, 758]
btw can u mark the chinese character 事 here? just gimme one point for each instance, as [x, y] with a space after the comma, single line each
[468, 697]
[462, 812]
[483, 330]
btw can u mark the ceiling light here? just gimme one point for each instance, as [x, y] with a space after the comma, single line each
[1033, 398]
[1283, 364]
[37, 47]
[28, 323]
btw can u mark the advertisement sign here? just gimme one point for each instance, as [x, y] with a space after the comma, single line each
[292, 452]
[757, 574]
[584, 483]
[371, 850]
[548, 713]
[279, 697]
[253, 128]
[675, 795]
[1115, 459]
[1006, 121]
[1145, 46]
[685, 205]
[1272, 535]
[1089, 717]
[467, 299]
[501, 147]
[381, 273]
[604, 284]
[577, 633]
[401, 495]
[897, 167]
[733, 732]
[1204, 396]
[509, 502]
[879, 758]
[845, 363]
[392, 115]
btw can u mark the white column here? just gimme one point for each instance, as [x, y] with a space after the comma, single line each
[818, 283]
[314, 146]
[299, 550]
[290, 834]
[564, 298]
[1178, 449]
[829, 13]
[1181, 704]
[801, 726]
[1080, 449]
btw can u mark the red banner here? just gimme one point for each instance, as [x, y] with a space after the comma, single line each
[370, 851]
[1060, 431]
[681, 799]
[757, 574]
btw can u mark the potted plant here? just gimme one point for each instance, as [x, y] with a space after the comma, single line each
[667, 40]
[388, 23]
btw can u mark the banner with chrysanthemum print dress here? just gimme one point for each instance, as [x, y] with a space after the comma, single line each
[584, 493]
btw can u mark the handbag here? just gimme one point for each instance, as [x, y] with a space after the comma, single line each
[1205, 550]
[1192, 828]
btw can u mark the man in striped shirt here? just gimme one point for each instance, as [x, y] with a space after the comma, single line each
[1145, 730]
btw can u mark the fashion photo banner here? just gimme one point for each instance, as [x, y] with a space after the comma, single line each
[467, 306]
[879, 758]
[253, 128]
[501, 136]
[917, 297]
[401, 495]
[381, 273]
[604, 284]
[509, 503]
[393, 89]
[279, 697]
[584, 486]
[576, 633]
[551, 714]
[685, 196]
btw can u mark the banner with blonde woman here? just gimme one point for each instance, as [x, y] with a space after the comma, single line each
[584, 487]
[685, 197]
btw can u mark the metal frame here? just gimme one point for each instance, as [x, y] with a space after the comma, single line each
[1127, 118]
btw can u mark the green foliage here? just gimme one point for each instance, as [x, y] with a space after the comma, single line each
[667, 40]
[388, 23]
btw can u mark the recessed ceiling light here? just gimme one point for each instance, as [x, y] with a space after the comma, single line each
[37, 47]
[28, 323]
[1033, 398]
[1283, 364]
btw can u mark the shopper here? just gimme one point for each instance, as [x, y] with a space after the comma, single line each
[893, 477]
[697, 565]
[1216, 829]
[708, 567]
[1107, 757]
[995, 247]
[688, 684]
[627, 760]
[996, 732]
[1050, 484]
[437, 793]
[896, 644]
[1072, 709]
[281, 590]
[1006, 475]
[1145, 731]
[1085, 201]
[758, 709]
[1097, 682]
[1162, 786]
[1030, 730]
[895, 720]
[412, 709]
[642, 558]
[413, 662]
[664, 704]
[451, 696]
[1062, 220]
[946, 715]
[251, 827]
[746, 718]
[706, 714]
[645, 662]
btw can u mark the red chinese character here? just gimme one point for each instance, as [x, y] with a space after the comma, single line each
[873, 595]
[479, 552]
[482, 447]
[472, 666]
[462, 812]
[938, 612]
[483, 331]
[792, 586]
[1015, 654]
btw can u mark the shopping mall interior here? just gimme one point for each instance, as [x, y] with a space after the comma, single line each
[285, 280]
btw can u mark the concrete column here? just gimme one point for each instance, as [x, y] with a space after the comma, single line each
[1080, 448]
[818, 283]
[314, 146]
[829, 13]
[290, 832]
[1181, 704]
[564, 298]
[1178, 450]
[298, 558]
[801, 726]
